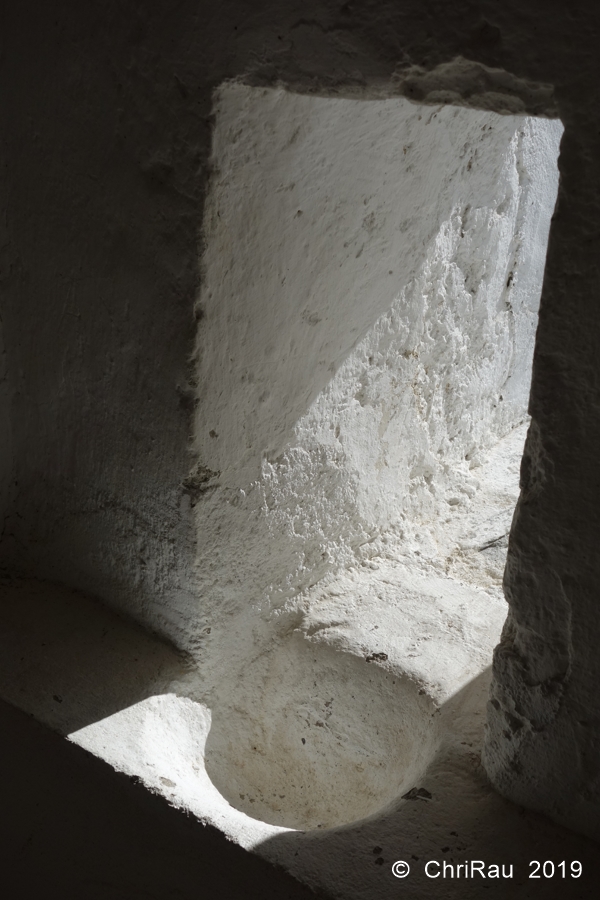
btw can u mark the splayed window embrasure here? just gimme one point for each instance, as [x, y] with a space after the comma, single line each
[372, 278]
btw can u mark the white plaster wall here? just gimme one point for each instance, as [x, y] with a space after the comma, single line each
[98, 279]
[372, 273]
[106, 117]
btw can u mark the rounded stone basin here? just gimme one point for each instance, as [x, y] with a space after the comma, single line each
[311, 737]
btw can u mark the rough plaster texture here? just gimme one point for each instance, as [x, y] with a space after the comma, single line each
[72, 827]
[351, 515]
[371, 279]
[106, 132]
[372, 275]
[122, 695]
[100, 264]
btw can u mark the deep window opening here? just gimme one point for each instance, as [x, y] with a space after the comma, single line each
[372, 279]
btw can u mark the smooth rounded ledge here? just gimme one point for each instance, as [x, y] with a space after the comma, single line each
[312, 737]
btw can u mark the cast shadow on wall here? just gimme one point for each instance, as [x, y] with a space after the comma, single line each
[71, 661]
[451, 815]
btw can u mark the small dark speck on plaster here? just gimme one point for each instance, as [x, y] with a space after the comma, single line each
[417, 794]
[167, 782]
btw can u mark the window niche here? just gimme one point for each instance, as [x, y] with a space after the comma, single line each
[372, 275]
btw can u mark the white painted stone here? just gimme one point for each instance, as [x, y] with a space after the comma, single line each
[129, 699]
[351, 544]
[359, 456]
[419, 236]
[372, 273]
[364, 354]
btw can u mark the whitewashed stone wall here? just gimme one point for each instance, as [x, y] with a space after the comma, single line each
[372, 275]
[106, 131]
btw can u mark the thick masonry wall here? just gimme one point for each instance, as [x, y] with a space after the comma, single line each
[369, 303]
[106, 124]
